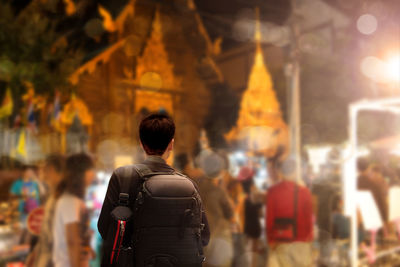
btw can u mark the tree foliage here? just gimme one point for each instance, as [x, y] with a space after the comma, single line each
[32, 50]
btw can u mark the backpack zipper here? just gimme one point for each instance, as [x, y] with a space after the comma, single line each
[121, 234]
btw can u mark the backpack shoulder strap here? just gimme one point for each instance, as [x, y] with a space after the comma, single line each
[295, 204]
[126, 175]
[126, 181]
[145, 172]
[126, 178]
[142, 170]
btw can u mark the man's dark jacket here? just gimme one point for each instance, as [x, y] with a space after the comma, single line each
[156, 164]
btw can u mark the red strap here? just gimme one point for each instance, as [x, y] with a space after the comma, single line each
[115, 243]
[120, 241]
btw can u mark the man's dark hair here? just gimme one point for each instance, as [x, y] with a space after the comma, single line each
[156, 132]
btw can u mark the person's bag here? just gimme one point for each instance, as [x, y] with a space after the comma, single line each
[122, 214]
[168, 223]
[285, 229]
[30, 204]
[117, 248]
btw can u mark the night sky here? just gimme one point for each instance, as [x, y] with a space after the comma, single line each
[220, 16]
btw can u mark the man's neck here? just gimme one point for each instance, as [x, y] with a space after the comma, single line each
[156, 157]
[166, 155]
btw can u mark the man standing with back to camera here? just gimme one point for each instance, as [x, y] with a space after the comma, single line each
[163, 223]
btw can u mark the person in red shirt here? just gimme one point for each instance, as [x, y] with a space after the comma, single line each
[289, 225]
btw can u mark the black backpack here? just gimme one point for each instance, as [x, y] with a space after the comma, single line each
[117, 248]
[166, 226]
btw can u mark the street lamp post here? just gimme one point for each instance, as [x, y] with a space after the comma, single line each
[295, 115]
[294, 107]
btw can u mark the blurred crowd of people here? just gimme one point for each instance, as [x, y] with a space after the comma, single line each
[252, 226]
[288, 222]
[285, 222]
[59, 186]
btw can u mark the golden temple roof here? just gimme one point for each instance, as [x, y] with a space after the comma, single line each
[155, 71]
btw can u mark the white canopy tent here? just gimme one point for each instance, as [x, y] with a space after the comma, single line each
[349, 174]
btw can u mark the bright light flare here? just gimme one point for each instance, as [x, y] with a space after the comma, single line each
[381, 71]
[393, 68]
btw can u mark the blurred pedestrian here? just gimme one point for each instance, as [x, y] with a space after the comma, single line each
[185, 165]
[69, 228]
[219, 211]
[26, 189]
[371, 179]
[237, 197]
[253, 203]
[324, 190]
[52, 173]
[289, 225]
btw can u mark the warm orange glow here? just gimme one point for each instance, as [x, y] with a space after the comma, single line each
[76, 107]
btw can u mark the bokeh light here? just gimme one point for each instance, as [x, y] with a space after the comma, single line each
[111, 123]
[382, 71]
[312, 42]
[224, 253]
[94, 28]
[130, 46]
[258, 137]
[367, 24]
[373, 68]
[152, 80]
[243, 30]
[106, 151]
[393, 68]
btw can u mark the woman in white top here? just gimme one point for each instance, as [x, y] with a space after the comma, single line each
[68, 233]
[52, 173]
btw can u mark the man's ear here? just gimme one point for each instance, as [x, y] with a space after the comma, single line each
[141, 145]
[171, 144]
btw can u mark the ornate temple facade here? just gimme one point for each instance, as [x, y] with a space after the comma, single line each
[161, 60]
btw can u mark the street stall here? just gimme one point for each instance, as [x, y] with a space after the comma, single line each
[10, 225]
[357, 201]
[10, 235]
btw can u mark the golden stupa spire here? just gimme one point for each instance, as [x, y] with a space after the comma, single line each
[259, 60]
[157, 23]
[259, 106]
